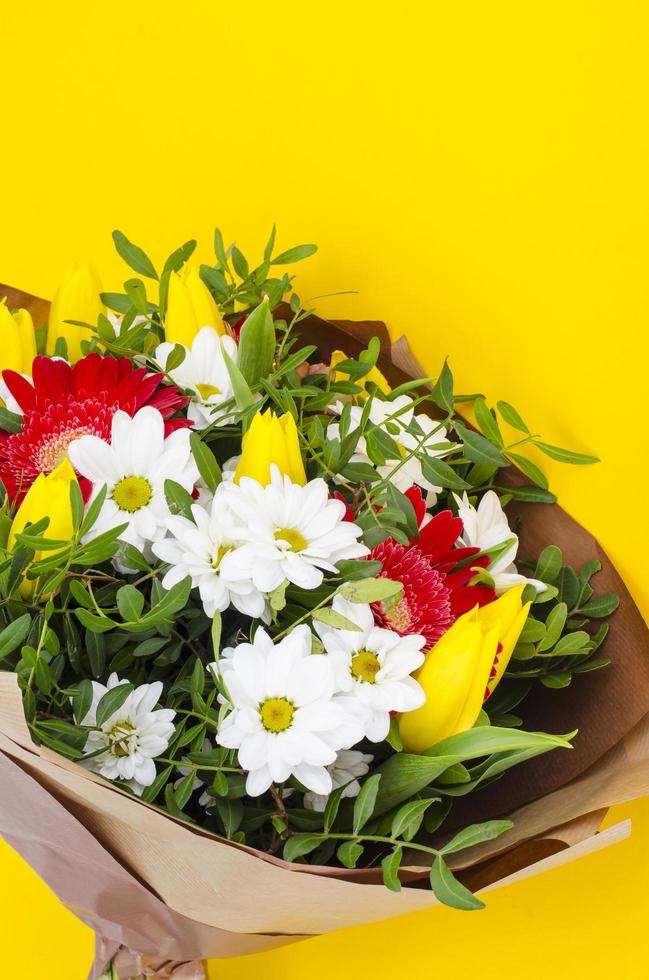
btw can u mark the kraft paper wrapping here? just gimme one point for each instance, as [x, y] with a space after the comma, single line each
[163, 895]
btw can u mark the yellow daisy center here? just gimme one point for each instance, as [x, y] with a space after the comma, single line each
[295, 540]
[365, 666]
[119, 736]
[206, 391]
[276, 714]
[132, 493]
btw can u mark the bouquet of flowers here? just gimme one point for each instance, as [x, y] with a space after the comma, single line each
[271, 587]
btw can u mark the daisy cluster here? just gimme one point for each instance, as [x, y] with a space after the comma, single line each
[245, 584]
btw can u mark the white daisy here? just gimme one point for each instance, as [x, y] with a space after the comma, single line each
[134, 467]
[486, 527]
[204, 373]
[132, 737]
[197, 548]
[291, 532]
[374, 666]
[398, 420]
[345, 771]
[285, 720]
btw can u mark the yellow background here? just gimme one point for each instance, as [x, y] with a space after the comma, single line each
[478, 172]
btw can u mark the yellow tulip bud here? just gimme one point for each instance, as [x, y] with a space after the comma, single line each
[17, 340]
[373, 374]
[77, 298]
[271, 440]
[49, 495]
[190, 307]
[456, 674]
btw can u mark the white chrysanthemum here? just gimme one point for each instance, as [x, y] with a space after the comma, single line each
[374, 666]
[132, 737]
[204, 373]
[395, 418]
[291, 532]
[486, 527]
[197, 548]
[345, 771]
[134, 468]
[286, 720]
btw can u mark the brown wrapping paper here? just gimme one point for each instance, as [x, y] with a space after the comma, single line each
[162, 895]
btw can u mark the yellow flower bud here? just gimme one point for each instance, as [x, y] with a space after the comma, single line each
[271, 440]
[48, 495]
[17, 340]
[190, 307]
[457, 671]
[373, 374]
[77, 298]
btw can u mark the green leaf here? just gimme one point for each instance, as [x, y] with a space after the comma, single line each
[566, 455]
[349, 853]
[558, 680]
[130, 603]
[300, 845]
[184, 789]
[571, 643]
[134, 256]
[554, 626]
[390, 868]
[76, 503]
[9, 421]
[82, 699]
[449, 890]
[371, 590]
[569, 587]
[530, 495]
[442, 392]
[440, 474]
[231, 813]
[92, 622]
[549, 564]
[405, 774]
[112, 701]
[178, 499]
[487, 422]
[242, 393]
[601, 605]
[295, 254]
[365, 801]
[352, 569]
[335, 619]
[512, 417]
[205, 459]
[477, 448]
[408, 818]
[477, 833]
[530, 469]
[176, 357]
[331, 808]
[14, 634]
[257, 344]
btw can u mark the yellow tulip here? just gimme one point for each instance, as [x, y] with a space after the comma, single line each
[373, 374]
[457, 671]
[271, 440]
[77, 298]
[48, 495]
[190, 307]
[17, 340]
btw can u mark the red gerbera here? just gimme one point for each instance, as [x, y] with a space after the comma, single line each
[435, 591]
[64, 402]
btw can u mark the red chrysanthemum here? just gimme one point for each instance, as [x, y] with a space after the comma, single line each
[435, 591]
[63, 403]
